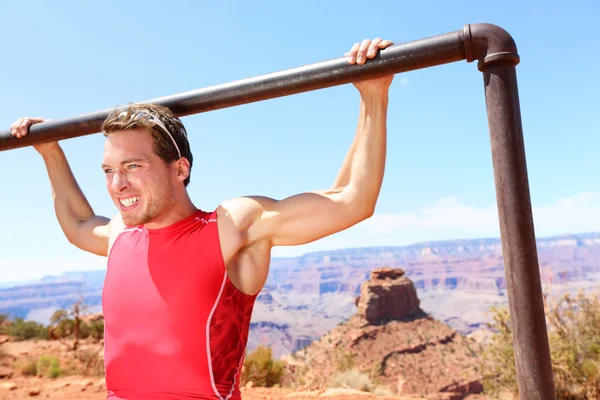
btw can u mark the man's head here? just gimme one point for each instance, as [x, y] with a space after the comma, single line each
[147, 161]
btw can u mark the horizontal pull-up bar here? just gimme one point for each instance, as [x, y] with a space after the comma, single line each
[403, 57]
[497, 54]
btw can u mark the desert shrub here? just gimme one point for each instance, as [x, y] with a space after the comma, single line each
[49, 367]
[28, 368]
[383, 391]
[55, 371]
[4, 322]
[353, 379]
[85, 330]
[260, 368]
[97, 329]
[62, 325]
[574, 336]
[344, 361]
[91, 362]
[20, 329]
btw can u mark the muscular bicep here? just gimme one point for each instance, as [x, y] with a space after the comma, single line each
[92, 235]
[298, 219]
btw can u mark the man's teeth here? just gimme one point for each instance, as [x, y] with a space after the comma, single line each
[129, 201]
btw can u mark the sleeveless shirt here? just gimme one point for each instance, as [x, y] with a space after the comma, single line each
[175, 327]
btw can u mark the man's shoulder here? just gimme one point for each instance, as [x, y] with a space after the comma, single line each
[116, 226]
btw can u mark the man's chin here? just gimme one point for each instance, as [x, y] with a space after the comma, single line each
[131, 220]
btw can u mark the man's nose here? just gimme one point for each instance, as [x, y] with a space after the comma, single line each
[119, 182]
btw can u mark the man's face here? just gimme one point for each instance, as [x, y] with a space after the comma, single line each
[139, 182]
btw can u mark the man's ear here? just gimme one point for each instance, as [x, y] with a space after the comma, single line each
[182, 167]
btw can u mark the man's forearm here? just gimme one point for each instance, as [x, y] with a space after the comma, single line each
[343, 176]
[70, 204]
[369, 154]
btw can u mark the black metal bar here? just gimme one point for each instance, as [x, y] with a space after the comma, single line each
[403, 57]
[497, 55]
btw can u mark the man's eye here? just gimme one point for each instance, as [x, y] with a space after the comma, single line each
[130, 166]
[108, 170]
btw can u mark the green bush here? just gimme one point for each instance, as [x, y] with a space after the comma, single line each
[48, 366]
[55, 371]
[260, 368]
[574, 336]
[24, 330]
[4, 322]
[96, 329]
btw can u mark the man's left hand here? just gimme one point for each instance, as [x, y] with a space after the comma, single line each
[359, 53]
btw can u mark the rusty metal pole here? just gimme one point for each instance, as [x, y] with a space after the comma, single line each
[498, 57]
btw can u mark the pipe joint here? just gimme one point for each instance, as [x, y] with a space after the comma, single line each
[488, 44]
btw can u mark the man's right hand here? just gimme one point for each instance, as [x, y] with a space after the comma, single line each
[20, 128]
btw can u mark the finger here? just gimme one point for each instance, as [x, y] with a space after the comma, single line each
[373, 47]
[23, 127]
[361, 56]
[385, 43]
[352, 53]
[14, 126]
[25, 123]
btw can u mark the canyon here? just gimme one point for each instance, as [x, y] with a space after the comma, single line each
[305, 297]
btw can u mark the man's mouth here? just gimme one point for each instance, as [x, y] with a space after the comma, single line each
[129, 201]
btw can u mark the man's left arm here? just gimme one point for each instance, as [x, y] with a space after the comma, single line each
[306, 217]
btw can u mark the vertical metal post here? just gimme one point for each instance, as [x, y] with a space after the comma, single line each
[530, 339]
[497, 54]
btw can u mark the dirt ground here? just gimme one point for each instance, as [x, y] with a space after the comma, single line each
[93, 386]
[82, 388]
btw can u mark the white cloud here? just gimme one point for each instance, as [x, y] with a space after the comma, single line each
[448, 218]
[580, 213]
[446, 213]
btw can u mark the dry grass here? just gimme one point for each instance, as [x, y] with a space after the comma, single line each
[574, 335]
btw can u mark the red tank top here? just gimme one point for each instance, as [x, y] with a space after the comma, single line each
[175, 327]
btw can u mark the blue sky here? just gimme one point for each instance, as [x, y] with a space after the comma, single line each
[70, 58]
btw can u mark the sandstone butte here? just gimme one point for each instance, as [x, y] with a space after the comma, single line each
[395, 343]
[402, 350]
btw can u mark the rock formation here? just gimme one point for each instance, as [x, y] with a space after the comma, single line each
[391, 341]
[388, 295]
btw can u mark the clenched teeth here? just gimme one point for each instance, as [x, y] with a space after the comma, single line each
[128, 202]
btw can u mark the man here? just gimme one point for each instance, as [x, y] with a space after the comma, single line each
[181, 282]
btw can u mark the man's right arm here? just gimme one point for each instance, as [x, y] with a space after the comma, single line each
[76, 217]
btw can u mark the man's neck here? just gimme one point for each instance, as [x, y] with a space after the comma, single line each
[181, 208]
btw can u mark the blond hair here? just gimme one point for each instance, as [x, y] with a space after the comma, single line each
[169, 146]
